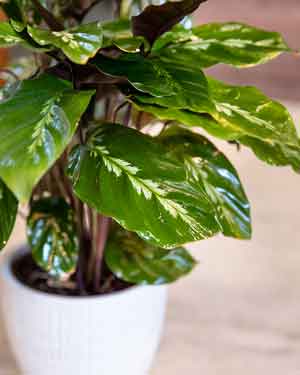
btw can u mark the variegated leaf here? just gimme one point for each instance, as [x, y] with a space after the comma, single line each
[79, 44]
[52, 237]
[36, 124]
[137, 262]
[132, 178]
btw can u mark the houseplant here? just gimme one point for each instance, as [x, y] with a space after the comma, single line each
[108, 205]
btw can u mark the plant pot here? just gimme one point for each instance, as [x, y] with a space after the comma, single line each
[112, 334]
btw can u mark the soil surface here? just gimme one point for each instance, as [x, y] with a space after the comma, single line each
[27, 272]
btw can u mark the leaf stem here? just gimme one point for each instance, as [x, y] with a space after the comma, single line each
[103, 224]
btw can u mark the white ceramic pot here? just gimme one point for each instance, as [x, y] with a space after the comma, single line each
[106, 335]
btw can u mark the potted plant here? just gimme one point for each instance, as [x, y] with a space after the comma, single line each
[100, 143]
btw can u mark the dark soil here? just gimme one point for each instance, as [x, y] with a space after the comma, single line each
[27, 272]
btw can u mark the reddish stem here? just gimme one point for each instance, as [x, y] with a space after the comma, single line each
[102, 235]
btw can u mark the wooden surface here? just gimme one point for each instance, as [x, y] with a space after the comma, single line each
[238, 313]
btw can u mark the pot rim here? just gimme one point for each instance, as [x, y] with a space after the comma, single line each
[8, 275]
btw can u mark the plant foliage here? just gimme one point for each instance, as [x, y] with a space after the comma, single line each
[75, 148]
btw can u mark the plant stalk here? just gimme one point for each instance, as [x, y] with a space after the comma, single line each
[102, 235]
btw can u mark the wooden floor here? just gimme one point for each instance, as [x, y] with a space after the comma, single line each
[238, 313]
[280, 78]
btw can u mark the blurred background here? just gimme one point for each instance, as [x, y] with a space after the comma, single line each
[238, 312]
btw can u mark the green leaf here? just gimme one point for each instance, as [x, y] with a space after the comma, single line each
[9, 37]
[231, 43]
[118, 33]
[156, 20]
[8, 213]
[211, 169]
[274, 154]
[13, 9]
[186, 117]
[51, 233]
[79, 44]
[132, 178]
[190, 89]
[251, 113]
[146, 75]
[238, 113]
[133, 260]
[36, 125]
[114, 30]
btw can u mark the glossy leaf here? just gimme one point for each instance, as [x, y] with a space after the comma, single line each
[8, 213]
[209, 167]
[9, 37]
[36, 124]
[132, 178]
[114, 30]
[274, 154]
[231, 43]
[133, 260]
[157, 19]
[251, 113]
[118, 33]
[79, 44]
[190, 89]
[186, 117]
[145, 75]
[51, 233]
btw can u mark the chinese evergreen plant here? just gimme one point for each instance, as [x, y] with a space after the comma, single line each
[106, 199]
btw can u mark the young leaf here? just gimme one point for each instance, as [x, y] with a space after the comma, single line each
[79, 43]
[145, 75]
[9, 37]
[8, 213]
[133, 260]
[156, 20]
[36, 124]
[51, 233]
[209, 167]
[132, 178]
[231, 43]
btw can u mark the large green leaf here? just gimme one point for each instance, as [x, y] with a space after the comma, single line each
[275, 154]
[240, 113]
[251, 113]
[190, 86]
[36, 124]
[8, 213]
[146, 75]
[133, 178]
[186, 117]
[133, 260]
[156, 20]
[209, 167]
[231, 43]
[51, 232]
[79, 43]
